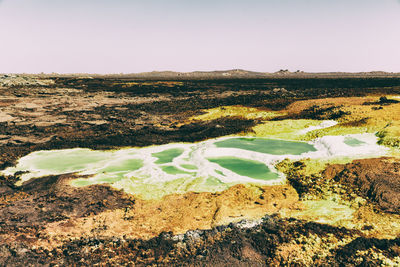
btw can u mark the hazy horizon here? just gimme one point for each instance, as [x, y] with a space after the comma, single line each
[121, 36]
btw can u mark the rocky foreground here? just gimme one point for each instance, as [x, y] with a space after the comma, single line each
[46, 221]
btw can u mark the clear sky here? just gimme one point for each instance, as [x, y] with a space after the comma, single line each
[114, 36]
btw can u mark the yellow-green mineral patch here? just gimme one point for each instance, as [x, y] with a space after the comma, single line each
[176, 186]
[285, 129]
[338, 129]
[211, 165]
[325, 211]
[236, 111]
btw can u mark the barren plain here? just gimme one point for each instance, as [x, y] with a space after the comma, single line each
[342, 208]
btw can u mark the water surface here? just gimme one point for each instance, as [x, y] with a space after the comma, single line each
[168, 155]
[250, 168]
[267, 146]
[211, 166]
[354, 142]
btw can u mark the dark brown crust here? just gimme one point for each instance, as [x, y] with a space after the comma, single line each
[375, 179]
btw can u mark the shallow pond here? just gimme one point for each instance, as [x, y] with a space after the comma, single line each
[212, 165]
[250, 168]
[268, 146]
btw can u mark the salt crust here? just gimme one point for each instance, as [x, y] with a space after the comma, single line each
[328, 147]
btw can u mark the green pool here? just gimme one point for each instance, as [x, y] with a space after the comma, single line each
[245, 167]
[168, 155]
[210, 166]
[63, 161]
[354, 142]
[267, 146]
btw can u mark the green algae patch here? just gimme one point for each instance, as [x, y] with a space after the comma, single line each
[267, 146]
[168, 155]
[250, 168]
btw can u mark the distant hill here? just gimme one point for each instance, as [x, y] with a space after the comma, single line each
[225, 74]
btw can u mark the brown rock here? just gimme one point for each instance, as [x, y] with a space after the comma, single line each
[377, 179]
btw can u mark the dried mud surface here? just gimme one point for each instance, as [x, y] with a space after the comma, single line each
[48, 222]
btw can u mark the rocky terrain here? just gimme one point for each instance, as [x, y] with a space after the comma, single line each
[45, 221]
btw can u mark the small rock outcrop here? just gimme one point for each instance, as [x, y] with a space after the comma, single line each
[19, 80]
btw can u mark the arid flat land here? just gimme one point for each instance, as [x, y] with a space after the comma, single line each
[329, 211]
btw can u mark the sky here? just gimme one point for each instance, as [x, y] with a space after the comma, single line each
[128, 36]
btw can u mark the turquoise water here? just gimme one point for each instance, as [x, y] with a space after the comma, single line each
[209, 166]
[168, 155]
[245, 167]
[353, 142]
[267, 146]
[174, 170]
